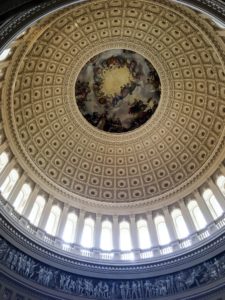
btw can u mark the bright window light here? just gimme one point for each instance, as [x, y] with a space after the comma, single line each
[179, 223]
[196, 215]
[53, 220]
[143, 234]
[87, 239]
[125, 238]
[4, 159]
[70, 227]
[9, 183]
[162, 231]
[221, 183]
[212, 203]
[37, 209]
[22, 197]
[106, 236]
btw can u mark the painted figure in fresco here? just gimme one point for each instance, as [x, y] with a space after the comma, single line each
[122, 290]
[14, 261]
[148, 288]
[67, 282]
[128, 290]
[130, 106]
[72, 286]
[88, 286]
[105, 291]
[41, 275]
[113, 291]
[204, 273]
[179, 281]
[80, 287]
[140, 289]
[7, 294]
[48, 278]
[3, 248]
[20, 263]
[134, 290]
[194, 276]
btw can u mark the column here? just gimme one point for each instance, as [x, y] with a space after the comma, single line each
[187, 217]
[170, 224]
[16, 189]
[45, 214]
[152, 230]
[30, 202]
[204, 208]
[134, 233]
[222, 169]
[7, 170]
[62, 221]
[116, 234]
[217, 193]
[79, 227]
[97, 231]
[4, 146]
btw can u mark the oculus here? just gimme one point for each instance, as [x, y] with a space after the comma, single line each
[117, 91]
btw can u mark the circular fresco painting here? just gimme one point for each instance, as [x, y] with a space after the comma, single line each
[118, 91]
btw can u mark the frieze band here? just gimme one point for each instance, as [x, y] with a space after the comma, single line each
[42, 274]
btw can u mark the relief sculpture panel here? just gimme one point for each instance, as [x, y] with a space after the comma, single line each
[147, 288]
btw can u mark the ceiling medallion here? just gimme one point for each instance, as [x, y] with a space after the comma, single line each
[118, 90]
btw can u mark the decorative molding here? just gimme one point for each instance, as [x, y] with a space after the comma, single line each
[210, 273]
[165, 158]
[83, 265]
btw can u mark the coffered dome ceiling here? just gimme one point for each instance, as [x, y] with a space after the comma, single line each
[172, 152]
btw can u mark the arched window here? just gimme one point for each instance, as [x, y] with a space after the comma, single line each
[87, 239]
[143, 234]
[162, 231]
[22, 197]
[125, 238]
[179, 223]
[4, 54]
[9, 183]
[70, 227]
[106, 236]
[212, 203]
[53, 220]
[221, 183]
[37, 209]
[4, 159]
[196, 215]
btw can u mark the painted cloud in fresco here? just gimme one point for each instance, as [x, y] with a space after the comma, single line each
[118, 91]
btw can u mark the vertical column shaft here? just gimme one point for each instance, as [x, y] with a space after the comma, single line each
[30, 202]
[46, 211]
[217, 193]
[16, 189]
[7, 170]
[79, 227]
[203, 206]
[134, 233]
[170, 224]
[97, 232]
[187, 217]
[152, 230]
[116, 233]
[4, 146]
[62, 221]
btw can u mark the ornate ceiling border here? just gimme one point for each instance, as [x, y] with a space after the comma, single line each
[171, 195]
[86, 266]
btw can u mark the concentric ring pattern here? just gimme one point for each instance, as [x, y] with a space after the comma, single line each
[67, 155]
